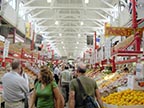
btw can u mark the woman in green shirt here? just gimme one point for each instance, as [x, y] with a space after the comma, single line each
[46, 91]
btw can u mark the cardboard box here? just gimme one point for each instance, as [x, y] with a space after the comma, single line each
[115, 106]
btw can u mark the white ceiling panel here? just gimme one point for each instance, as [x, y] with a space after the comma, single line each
[75, 19]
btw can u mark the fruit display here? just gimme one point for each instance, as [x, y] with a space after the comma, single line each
[113, 79]
[111, 82]
[93, 73]
[125, 98]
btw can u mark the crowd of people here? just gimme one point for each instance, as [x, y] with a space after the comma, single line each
[53, 88]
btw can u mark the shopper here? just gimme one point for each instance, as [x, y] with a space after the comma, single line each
[46, 91]
[90, 86]
[56, 74]
[65, 78]
[25, 76]
[14, 87]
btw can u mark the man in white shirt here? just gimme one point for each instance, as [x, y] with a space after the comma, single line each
[14, 87]
[56, 74]
[65, 78]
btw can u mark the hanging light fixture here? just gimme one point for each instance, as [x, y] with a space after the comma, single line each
[56, 23]
[60, 34]
[81, 23]
[86, 1]
[79, 35]
[49, 1]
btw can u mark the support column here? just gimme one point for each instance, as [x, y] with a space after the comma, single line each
[14, 35]
[17, 12]
[52, 55]
[113, 64]
[38, 56]
[95, 47]
[22, 53]
[84, 57]
[134, 20]
[32, 44]
[138, 42]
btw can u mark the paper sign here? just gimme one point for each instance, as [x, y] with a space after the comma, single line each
[140, 70]
[6, 48]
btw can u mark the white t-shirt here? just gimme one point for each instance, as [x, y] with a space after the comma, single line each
[14, 87]
[66, 76]
[56, 71]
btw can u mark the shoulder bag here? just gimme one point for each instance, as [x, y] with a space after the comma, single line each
[88, 101]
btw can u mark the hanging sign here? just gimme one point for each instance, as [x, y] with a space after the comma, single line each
[6, 48]
[121, 31]
[28, 30]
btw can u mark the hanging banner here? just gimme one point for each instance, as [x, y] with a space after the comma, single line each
[6, 48]
[28, 30]
[121, 31]
[90, 40]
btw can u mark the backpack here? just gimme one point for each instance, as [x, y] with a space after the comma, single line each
[88, 101]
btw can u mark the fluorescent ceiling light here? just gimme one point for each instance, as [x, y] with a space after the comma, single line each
[63, 47]
[62, 42]
[86, 1]
[49, 1]
[56, 23]
[77, 42]
[60, 34]
[79, 35]
[81, 23]
[76, 47]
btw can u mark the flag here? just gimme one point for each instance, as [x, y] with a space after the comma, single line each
[28, 30]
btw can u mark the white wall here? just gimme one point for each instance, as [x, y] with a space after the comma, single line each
[11, 16]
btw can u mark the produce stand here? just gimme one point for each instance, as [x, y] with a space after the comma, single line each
[125, 99]
[25, 55]
[130, 48]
